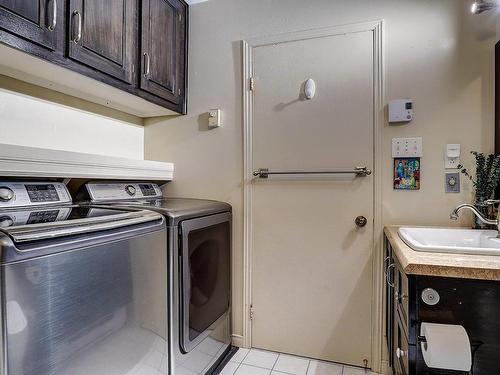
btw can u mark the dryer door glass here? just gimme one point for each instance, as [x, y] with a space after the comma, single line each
[205, 263]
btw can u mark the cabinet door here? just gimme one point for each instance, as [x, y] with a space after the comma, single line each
[401, 349]
[38, 21]
[163, 48]
[389, 300]
[103, 36]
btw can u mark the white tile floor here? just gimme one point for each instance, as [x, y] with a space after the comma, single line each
[261, 362]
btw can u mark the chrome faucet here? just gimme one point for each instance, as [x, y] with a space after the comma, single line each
[455, 213]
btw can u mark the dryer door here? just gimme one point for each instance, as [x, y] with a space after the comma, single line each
[205, 276]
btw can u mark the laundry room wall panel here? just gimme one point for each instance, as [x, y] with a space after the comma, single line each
[28, 118]
[436, 53]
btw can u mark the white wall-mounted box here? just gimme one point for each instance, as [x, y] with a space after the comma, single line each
[400, 110]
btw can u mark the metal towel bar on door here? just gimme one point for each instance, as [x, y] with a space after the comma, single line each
[358, 171]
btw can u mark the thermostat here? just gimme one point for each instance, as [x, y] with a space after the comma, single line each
[400, 110]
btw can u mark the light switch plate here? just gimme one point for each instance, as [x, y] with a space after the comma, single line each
[407, 147]
[452, 182]
[214, 118]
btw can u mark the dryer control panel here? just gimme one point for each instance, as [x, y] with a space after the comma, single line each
[100, 192]
[24, 194]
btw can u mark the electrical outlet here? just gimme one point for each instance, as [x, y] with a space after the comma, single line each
[407, 147]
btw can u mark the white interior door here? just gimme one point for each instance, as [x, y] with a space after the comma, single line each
[312, 266]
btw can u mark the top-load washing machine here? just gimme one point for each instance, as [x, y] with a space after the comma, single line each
[199, 253]
[83, 289]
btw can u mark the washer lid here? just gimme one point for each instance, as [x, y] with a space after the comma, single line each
[58, 221]
[176, 209]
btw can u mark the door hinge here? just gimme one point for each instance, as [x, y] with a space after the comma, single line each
[180, 17]
[251, 312]
[252, 84]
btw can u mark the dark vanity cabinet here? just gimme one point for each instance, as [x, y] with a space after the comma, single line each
[137, 46]
[398, 307]
[474, 304]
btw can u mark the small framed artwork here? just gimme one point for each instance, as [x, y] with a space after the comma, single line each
[407, 173]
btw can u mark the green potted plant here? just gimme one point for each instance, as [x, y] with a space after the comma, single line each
[485, 181]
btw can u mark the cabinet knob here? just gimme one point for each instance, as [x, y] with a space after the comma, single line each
[430, 296]
[400, 296]
[400, 353]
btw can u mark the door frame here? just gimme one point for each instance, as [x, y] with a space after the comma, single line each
[377, 28]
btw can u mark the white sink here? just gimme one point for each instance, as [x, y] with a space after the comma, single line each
[459, 240]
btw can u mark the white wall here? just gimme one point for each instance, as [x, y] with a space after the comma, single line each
[32, 121]
[436, 53]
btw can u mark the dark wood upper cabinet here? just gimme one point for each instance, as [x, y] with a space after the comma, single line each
[38, 21]
[137, 48]
[103, 36]
[163, 48]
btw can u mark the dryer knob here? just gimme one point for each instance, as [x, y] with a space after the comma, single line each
[130, 190]
[6, 221]
[6, 194]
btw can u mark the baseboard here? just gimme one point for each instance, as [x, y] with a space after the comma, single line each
[237, 340]
[386, 370]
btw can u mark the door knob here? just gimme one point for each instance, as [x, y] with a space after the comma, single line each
[360, 221]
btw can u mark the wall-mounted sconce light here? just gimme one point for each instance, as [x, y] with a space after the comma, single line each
[309, 89]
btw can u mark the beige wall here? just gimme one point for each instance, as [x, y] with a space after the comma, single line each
[436, 53]
[38, 117]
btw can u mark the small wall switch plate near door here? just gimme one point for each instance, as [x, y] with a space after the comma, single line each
[452, 182]
[407, 147]
[452, 156]
[214, 118]
[400, 110]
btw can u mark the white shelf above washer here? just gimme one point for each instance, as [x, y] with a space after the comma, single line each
[22, 161]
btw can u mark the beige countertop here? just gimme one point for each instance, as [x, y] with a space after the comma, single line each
[485, 267]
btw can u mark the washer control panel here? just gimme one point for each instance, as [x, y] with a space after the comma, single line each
[23, 217]
[22, 194]
[99, 192]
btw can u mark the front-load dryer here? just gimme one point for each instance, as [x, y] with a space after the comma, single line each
[199, 253]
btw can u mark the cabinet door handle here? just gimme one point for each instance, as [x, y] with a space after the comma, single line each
[400, 353]
[78, 36]
[385, 261]
[146, 64]
[400, 297]
[387, 275]
[53, 24]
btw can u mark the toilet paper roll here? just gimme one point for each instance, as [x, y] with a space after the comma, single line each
[447, 347]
